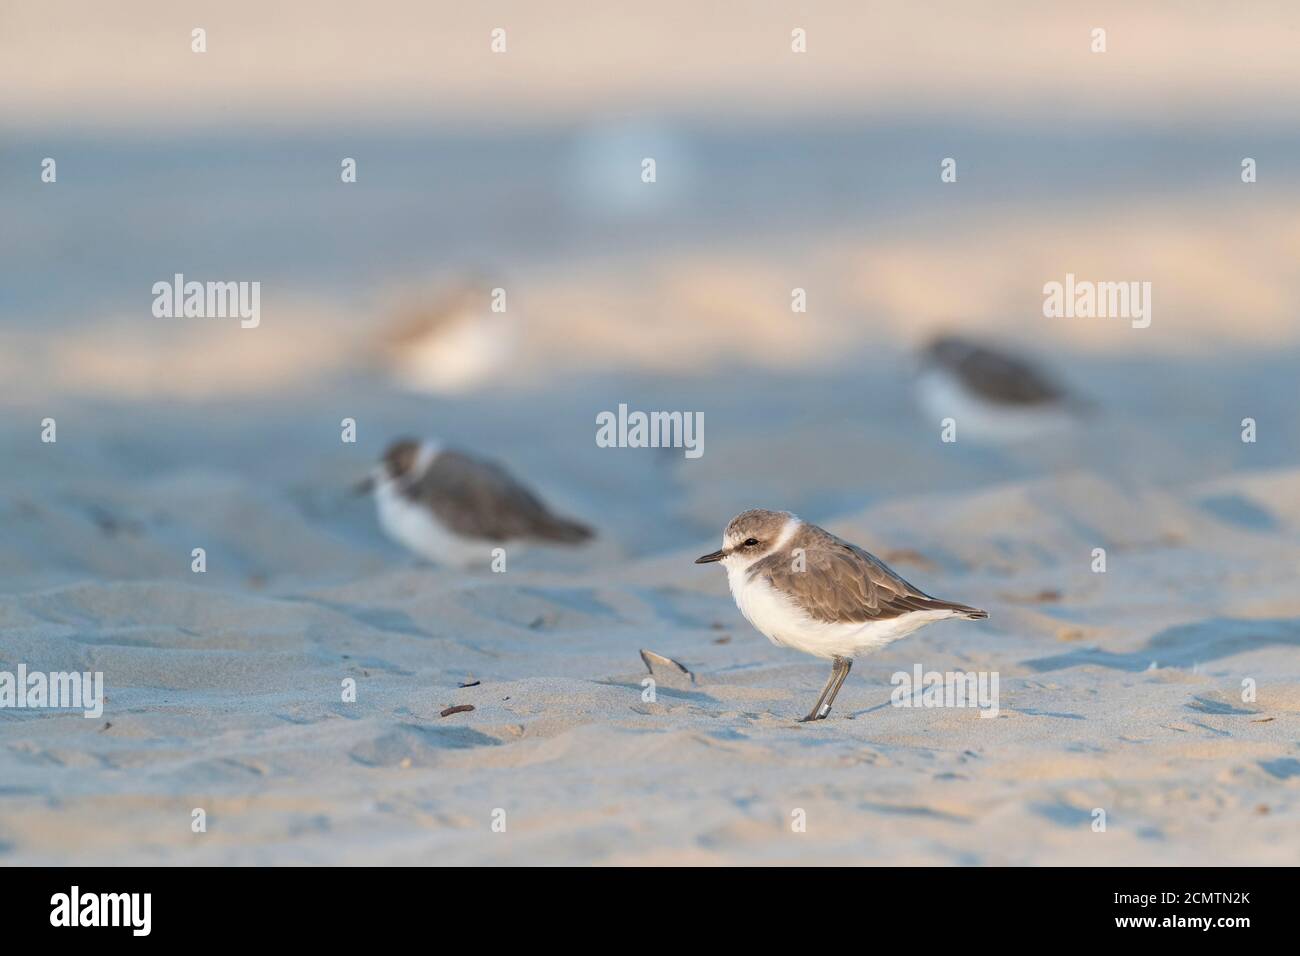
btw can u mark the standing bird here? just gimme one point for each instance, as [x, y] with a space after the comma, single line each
[453, 508]
[802, 587]
[990, 393]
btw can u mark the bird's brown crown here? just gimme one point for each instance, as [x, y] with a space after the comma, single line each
[756, 525]
[400, 457]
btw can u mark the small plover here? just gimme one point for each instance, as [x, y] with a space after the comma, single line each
[454, 509]
[991, 394]
[802, 587]
[452, 344]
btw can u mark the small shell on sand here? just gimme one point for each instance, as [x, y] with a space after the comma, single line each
[667, 671]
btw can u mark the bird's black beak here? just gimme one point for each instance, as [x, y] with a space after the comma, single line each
[364, 486]
[710, 558]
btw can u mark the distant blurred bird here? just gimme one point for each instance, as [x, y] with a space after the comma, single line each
[453, 508]
[454, 343]
[991, 394]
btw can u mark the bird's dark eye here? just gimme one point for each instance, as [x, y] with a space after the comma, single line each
[751, 542]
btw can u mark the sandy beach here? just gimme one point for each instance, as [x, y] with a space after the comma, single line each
[1120, 691]
[1161, 695]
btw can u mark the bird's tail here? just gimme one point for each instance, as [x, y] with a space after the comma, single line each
[923, 602]
[964, 610]
[566, 531]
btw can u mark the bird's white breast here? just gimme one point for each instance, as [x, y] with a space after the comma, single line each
[763, 606]
[418, 529]
[942, 395]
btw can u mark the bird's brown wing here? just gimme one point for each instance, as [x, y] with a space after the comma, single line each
[996, 375]
[842, 582]
[480, 499]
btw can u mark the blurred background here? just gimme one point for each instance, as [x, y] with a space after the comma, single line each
[522, 170]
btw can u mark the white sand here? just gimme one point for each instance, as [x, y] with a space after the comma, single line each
[1120, 693]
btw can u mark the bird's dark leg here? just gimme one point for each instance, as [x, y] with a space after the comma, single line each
[839, 670]
[845, 665]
